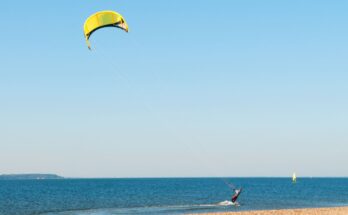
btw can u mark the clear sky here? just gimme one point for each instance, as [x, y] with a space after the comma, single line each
[196, 88]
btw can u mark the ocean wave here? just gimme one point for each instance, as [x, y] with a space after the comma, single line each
[172, 209]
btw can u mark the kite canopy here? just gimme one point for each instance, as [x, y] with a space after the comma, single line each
[103, 19]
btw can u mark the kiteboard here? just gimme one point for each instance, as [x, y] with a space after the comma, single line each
[228, 203]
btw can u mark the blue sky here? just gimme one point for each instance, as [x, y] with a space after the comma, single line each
[198, 88]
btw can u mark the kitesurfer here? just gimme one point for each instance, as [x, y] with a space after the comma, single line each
[236, 195]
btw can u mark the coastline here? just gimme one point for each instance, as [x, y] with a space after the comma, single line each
[304, 211]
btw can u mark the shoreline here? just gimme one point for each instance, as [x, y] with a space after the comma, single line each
[303, 211]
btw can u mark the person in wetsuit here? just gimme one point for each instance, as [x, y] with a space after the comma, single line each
[236, 195]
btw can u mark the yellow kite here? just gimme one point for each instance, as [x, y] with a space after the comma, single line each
[103, 19]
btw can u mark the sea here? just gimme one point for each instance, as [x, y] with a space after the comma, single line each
[166, 195]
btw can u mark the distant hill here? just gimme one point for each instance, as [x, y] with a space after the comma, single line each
[29, 176]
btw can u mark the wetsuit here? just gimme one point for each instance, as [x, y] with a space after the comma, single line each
[235, 196]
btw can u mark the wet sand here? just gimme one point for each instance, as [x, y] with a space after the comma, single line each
[307, 211]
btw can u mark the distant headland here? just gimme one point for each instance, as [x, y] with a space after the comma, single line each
[29, 176]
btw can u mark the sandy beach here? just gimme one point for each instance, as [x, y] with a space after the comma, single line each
[308, 211]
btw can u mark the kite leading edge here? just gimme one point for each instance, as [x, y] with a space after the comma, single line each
[103, 19]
